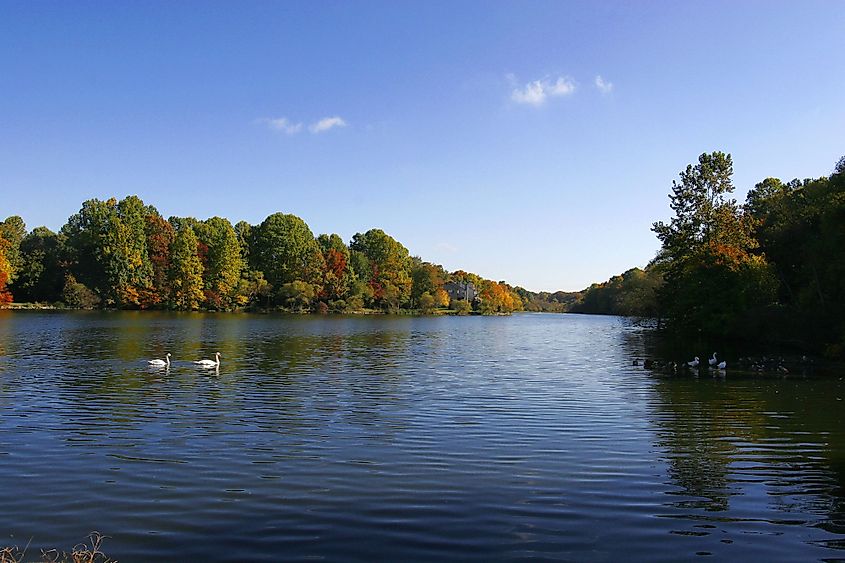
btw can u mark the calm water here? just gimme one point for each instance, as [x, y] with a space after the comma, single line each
[405, 439]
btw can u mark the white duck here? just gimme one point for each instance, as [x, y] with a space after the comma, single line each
[161, 363]
[694, 363]
[215, 363]
[713, 361]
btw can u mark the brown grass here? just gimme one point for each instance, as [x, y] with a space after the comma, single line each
[81, 553]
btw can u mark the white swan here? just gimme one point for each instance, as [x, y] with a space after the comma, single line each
[161, 363]
[713, 361]
[215, 363]
[694, 363]
[722, 365]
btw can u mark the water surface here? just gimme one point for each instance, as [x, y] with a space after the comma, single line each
[382, 438]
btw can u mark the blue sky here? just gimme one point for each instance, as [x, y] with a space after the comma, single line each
[476, 133]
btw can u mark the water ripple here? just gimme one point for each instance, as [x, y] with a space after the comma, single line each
[404, 438]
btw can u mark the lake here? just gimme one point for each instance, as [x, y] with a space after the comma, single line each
[402, 438]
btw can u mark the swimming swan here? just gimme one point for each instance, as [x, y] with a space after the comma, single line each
[161, 363]
[210, 363]
[722, 365]
[694, 363]
[713, 361]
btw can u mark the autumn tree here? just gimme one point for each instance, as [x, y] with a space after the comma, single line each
[498, 297]
[160, 235]
[338, 275]
[107, 249]
[128, 265]
[222, 269]
[386, 268]
[713, 280]
[428, 278]
[13, 230]
[5, 271]
[186, 271]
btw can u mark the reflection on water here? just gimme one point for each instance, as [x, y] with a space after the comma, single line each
[752, 453]
[404, 438]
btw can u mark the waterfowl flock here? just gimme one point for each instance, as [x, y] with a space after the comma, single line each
[755, 365]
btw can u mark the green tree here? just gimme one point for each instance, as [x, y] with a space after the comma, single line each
[460, 306]
[426, 278]
[801, 229]
[107, 249]
[85, 232]
[186, 271]
[77, 295]
[285, 250]
[223, 262]
[387, 267]
[244, 232]
[298, 295]
[426, 302]
[40, 276]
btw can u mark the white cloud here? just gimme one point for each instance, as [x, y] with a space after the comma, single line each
[603, 85]
[327, 123]
[535, 93]
[282, 124]
[564, 86]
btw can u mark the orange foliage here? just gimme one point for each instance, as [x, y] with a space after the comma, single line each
[335, 262]
[441, 298]
[729, 256]
[498, 297]
[5, 295]
[5, 272]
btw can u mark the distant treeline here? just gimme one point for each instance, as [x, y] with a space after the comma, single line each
[124, 254]
[771, 270]
[632, 294]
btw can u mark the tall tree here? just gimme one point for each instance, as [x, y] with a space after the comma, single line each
[712, 278]
[85, 233]
[160, 236]
[186, 271]
[107, 249]
[285, 250]
[801, 229]
[41, 276]
[13, 229]
[5, 272]
[338, 274]
[427, 278]
[389, 265]
[223, 261]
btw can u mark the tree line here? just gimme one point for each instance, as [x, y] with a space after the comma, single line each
[125, 255]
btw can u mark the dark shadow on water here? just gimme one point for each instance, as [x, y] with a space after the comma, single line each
[730, 437]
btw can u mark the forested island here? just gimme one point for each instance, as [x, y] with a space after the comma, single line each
[771, 269]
